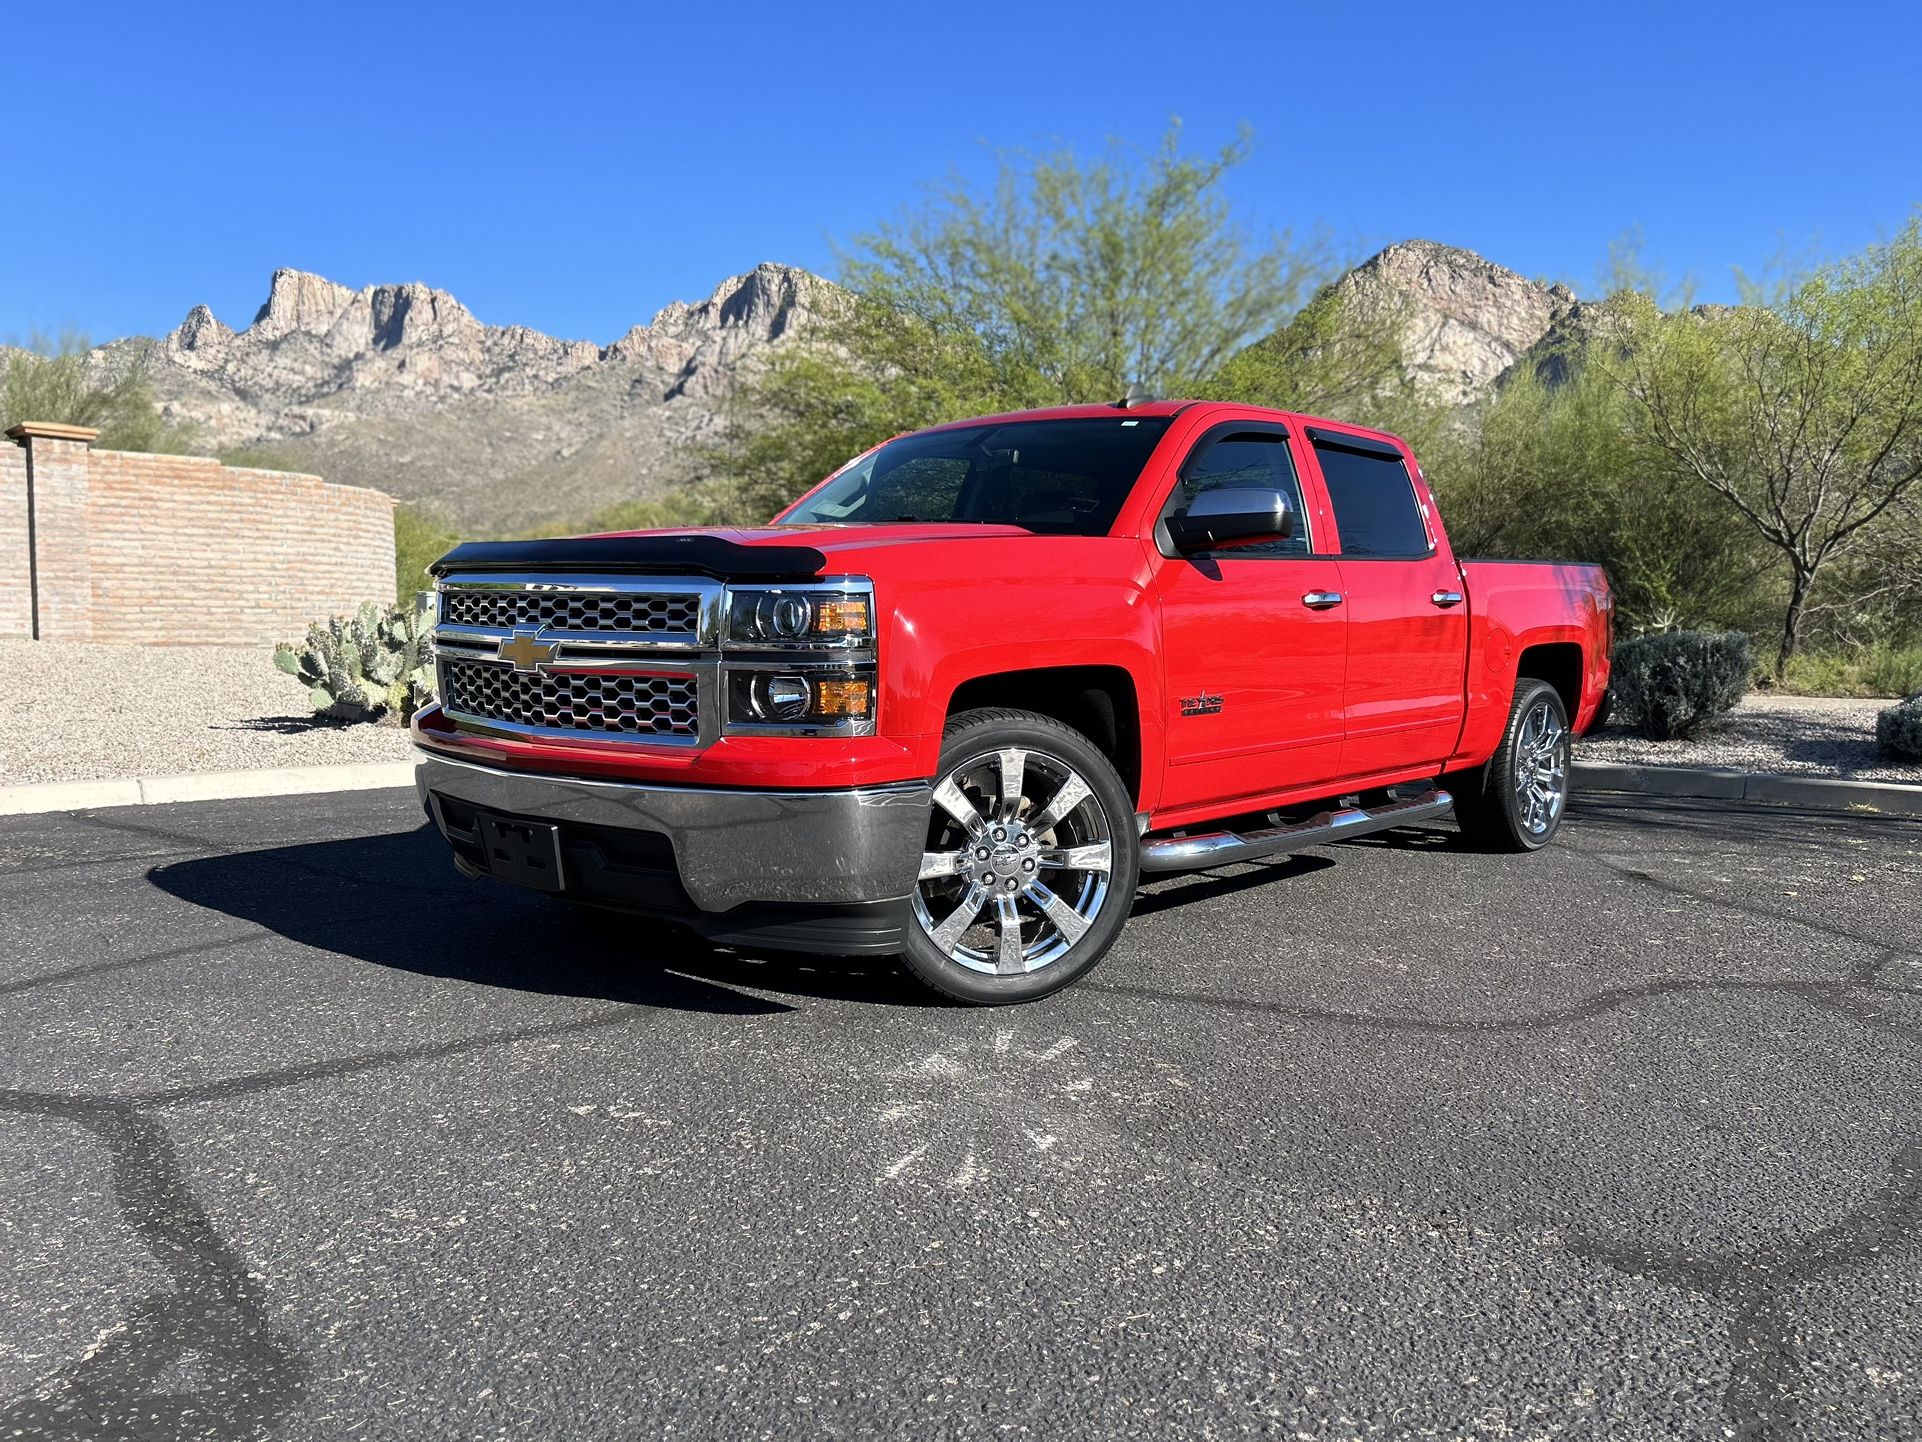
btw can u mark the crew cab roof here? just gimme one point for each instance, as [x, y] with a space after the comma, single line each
[1167, 408]
[1070, 413]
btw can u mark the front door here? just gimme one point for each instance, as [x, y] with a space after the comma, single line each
[1254, 639]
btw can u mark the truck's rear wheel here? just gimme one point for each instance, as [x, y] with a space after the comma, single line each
[1030, 863]
[1516, 801]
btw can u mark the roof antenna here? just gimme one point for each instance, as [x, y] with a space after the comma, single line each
[1137, 393]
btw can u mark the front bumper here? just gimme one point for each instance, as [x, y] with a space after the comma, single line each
[811, 870]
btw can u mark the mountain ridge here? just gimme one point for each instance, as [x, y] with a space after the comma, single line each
[505, 428]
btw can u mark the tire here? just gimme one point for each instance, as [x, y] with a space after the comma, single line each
[1006, 910]
[1516, 802]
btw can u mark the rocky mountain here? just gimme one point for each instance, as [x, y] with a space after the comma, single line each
[1460, 322]
[504, 429]
[498, 428]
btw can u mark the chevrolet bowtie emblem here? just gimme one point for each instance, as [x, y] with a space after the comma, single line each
[528, 651]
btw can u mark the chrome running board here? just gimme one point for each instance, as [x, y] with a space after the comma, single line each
[1216, 848]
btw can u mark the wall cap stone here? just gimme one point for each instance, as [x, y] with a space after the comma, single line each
[51, 431]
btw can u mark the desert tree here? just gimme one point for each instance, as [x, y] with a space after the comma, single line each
[1548, 468]
[1061, 279]
[1802, 410]
[59, 380]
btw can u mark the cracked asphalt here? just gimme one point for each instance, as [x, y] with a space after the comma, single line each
[303, 1136]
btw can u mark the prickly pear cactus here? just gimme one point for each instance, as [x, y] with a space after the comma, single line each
[406, 641]
[364, 666]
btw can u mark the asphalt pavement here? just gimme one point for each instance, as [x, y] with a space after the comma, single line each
[304, 1136]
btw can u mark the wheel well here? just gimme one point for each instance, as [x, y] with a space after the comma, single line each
[1098, 701]
[1560, 665]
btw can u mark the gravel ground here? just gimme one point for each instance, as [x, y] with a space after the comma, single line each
[74, 712]
[1792, 735]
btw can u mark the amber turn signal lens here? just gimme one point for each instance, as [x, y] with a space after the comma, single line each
[843, 698]
[846, 616]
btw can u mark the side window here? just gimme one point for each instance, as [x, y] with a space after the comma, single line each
[1375, 507]
[1245, 458]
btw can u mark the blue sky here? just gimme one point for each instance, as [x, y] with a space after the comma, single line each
[573, 167]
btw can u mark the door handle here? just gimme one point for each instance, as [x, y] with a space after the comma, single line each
[1321, 600]
[1447, 598]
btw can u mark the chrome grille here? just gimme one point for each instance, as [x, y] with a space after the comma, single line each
[632, 611]
[617, 703]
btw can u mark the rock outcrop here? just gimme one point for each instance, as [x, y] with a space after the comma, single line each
[496, 427]
[1459, 321]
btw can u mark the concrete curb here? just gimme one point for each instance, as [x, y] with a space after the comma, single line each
[1891, 798]
[202, 786]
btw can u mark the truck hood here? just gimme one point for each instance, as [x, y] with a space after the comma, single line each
[833, 540]
[764, 553]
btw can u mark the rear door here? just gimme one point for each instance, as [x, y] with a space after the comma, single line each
[1403, 596]
[1255, 653]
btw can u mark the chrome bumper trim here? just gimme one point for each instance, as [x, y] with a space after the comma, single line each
[730, 847]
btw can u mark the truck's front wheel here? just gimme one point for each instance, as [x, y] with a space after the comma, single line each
[1030, 864]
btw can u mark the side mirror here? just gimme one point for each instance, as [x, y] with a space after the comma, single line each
[1232, 513]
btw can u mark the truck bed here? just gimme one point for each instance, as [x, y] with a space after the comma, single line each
[1549, 602]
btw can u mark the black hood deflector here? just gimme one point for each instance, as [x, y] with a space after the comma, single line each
[714, 556]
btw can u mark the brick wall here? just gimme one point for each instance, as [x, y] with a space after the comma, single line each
[16, 589]
[159, 549]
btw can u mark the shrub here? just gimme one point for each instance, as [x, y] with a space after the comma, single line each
[1667, 686]
[364, 666]
[1898, 728]
[420, 539]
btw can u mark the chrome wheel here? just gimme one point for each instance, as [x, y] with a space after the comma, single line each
[1017, 864]
[1541, 769]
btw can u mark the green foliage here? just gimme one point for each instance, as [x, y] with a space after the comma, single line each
[1549, 466]
[260, 458]
[681, 509]
[1076, 278]
[57, 381]
[1803, 413]
[1879, 668]
[1898, 728]
[1668, 686]
[359, 668]
[420, 539]
[1063, 280]
[1333, 358]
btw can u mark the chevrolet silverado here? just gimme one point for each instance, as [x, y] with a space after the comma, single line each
[955, 701]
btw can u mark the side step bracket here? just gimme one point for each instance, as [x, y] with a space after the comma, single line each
[1217, 848]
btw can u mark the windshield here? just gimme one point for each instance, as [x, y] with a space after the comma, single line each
[1067, 477]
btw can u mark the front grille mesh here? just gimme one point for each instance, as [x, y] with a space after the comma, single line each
[618, 704]
[631, 611]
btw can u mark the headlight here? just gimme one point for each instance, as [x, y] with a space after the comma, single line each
[842, 700]
[800, 660]
[800, 616]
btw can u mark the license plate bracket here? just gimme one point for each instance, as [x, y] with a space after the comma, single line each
[527, 853]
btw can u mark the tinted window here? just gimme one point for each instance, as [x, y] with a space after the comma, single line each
[1066, 476]
[1245, 458]
[1374, 503]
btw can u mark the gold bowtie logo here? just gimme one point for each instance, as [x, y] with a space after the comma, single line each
[528, 652]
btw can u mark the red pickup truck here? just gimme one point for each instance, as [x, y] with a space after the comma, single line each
[953, 703]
